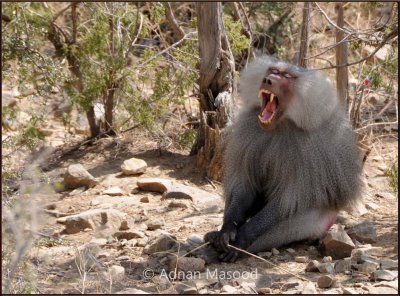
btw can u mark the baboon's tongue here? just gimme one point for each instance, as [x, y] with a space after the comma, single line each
[269, 110]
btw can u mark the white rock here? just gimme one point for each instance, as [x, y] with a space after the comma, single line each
[117, 272]
[133, 166]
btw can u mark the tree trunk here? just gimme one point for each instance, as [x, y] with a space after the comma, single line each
[217, 88]
[342, 79]
[305, 40]
[59, 40]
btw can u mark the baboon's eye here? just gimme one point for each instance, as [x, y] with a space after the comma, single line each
[287, 75]
[274, 71]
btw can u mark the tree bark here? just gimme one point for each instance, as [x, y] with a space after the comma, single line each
[305, 40]
[178, 31]
[342, 79]
[217, 88]
[60, 38]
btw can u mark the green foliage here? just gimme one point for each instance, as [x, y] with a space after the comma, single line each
[392, 174]
[237, 40]
[384, 73]
[22, 46]
[187, 138]
[157, 13]
[31, 134]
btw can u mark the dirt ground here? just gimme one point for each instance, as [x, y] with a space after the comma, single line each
[57, 257]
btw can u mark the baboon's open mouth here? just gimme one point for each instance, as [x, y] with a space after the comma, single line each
[269, 106]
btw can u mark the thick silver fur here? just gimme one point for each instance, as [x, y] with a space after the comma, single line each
[308, 162]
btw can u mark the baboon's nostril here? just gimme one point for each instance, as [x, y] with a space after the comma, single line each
[269, 81]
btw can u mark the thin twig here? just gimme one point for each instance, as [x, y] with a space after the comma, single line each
[377, 123]
[136, 37]
[178, 31]
[331, 22]
[167, 49]
[269, 262]
[62, 11]
[195, 249]
[384, 108]
[380, 45]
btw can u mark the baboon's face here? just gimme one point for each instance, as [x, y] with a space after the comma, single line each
[276, 93]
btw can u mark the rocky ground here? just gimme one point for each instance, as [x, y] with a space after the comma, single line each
[126, 215]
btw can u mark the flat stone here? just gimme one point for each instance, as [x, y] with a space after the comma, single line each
[186, 264]
[383, 275]
[389, 264]
[385, 195]
[177, 194]
[391, 284]
[178, 204]
[367, 250]
[363, 232]
[131, 291]
[92, 219]
[128, 235]
[347, 290]
[155, 224]
[382, 290]
[371, 206]
[154, 184]
[133, 166]
[202, 199]
[368, 267]
[114, 191]
[301, 259]
[77, 176]
[161, 243]
[99, 241]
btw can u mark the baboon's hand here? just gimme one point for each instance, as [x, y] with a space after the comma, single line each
[232, 254]
[221, 239]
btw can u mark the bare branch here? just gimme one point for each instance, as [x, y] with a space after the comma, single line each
[168, 48]
[391, 35]
[375, 124]
[136, 37]
[62, 11]
[178, 31]
[331, 22]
